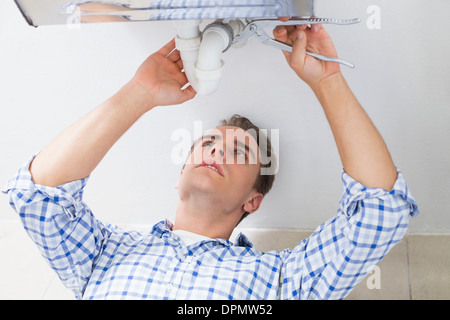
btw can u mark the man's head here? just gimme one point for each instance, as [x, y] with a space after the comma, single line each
[225, 169]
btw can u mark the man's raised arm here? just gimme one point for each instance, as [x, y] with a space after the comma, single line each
[369, 220]
[363, 152]
[77, 151]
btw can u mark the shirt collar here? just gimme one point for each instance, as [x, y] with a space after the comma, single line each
[165, 226]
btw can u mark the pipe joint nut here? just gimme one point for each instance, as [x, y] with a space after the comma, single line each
[187, 44]
[224, 29]
[210, 75]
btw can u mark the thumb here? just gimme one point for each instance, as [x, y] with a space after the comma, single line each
[298, 55]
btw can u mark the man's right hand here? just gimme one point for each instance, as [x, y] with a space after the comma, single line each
[315, 39]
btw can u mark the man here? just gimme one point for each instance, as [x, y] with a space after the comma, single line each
[193, 258]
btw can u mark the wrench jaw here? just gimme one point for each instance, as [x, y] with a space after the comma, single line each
[248, 32]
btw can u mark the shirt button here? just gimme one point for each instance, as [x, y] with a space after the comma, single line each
[169, 286]
[70, 211]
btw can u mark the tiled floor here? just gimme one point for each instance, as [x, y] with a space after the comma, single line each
[417, 268]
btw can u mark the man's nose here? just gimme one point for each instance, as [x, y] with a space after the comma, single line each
[218, 150]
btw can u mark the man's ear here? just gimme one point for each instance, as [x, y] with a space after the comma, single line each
[177, 184]
[253, 203]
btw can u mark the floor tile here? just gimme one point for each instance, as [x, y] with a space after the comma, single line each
[429, 259]
[23, 272]
[57, 291]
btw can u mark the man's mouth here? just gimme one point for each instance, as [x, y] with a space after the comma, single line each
[213, 166]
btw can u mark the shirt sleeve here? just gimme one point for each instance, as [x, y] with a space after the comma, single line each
[62, 226]
[344, 249]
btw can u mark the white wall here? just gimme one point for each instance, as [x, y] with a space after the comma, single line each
[51, 76]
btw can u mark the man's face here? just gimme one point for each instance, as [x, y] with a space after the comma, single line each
[221, 169]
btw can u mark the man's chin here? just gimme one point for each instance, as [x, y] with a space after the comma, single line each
[202, 184]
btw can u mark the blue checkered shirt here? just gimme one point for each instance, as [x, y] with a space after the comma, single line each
[101, 261]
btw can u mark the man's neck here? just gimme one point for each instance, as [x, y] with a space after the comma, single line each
[203, 220]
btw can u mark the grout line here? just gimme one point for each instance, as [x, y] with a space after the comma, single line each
[408, 268]
[48, 287]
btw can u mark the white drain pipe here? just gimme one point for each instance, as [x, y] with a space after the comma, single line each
[202, 56]
[188, 42]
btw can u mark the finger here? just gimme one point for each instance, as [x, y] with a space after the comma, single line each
[292, 36]
[181, 78]
[188, 93]
[174, 55]
[298, 55]
[280, 33]
[168, 48]
[315, 28]
[180, 64]
[301, 26]
[284, 19]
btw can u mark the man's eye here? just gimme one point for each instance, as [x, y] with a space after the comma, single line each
[208, 143]
[240, 153]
